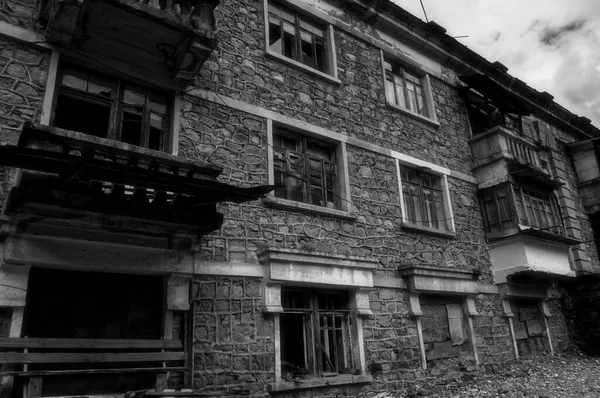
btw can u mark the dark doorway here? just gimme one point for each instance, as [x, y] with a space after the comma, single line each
[92, 305]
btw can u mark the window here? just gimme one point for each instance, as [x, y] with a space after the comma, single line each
[405, 89]
[297, 38]
[306, 169]
[315, 333]
[423, 195]
[109, 108]
[507, 206]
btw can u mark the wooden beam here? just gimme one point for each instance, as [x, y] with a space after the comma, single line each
[89, 344]
[34, 373]
[28, 358]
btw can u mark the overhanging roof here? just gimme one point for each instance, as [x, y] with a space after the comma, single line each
[504, 99]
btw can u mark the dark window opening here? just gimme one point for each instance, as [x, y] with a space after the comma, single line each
[110, 108]
[315, 333]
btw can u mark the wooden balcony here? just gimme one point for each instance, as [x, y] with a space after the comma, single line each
[81, 178]
[499, 152]
[157, 38]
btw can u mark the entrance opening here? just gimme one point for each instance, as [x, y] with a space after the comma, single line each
[91, 305]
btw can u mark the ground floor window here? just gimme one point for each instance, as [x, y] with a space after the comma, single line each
[315, 333]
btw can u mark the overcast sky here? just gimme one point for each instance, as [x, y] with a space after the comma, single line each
[552, 45]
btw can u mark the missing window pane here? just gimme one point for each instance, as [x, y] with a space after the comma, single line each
[77, 114]
[131, 130]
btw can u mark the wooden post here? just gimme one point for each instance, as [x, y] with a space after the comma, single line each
[471, 311]
[415, 311]
[543, 307]
[509, 315]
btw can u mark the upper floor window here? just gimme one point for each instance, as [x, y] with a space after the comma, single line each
[306, 169]
[300, 41]
[423, 199]
[315, 333]
[405, 89]
[110, 108]
[507, 206]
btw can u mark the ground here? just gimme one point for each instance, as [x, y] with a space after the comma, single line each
[569, 374]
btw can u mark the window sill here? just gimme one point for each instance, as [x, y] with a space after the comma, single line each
[413, 114]
[428, 230]
[308, 69]
[319, 382]
[286, 204]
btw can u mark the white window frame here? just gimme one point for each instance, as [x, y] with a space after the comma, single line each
[448, 214]
[331, 75]
[343, 188]
[431, 118]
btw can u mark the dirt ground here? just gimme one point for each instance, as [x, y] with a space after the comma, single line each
[568, 374]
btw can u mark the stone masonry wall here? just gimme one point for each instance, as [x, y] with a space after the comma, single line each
[233, 340]
[391, 341]
[23, 74]
[493, 339]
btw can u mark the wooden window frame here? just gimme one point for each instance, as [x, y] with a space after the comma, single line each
[317, 351]
[118, 106]
[441, 220]
[302, 171]
[524, 205]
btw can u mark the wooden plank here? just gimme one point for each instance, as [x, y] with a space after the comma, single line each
[89, 344]
[456, 324]
[90, 357]
[197, 393]
[33, 373]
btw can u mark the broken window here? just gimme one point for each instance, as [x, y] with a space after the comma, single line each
[423, 198]
[405, 89]
[315, 333]
[109, 108]
[484, 115]
[508, 205]
[305, 169]
[293, 36]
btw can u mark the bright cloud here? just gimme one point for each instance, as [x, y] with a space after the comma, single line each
[552, 45]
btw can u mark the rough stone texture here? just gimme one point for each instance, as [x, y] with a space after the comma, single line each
[391, 341]
[19, 12]
[240, 70]
[233, 340]
[23, 74]
[493, 340]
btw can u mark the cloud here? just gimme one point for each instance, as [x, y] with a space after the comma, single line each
[550, 36]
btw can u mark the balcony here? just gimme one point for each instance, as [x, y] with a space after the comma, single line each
[499, 152]
[160, 39]
[529, 256]
[75, 180]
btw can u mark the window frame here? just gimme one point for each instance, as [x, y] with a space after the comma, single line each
[169, 139]
[342, 191]
[313, 329]
[425, 85]
[311, 17]
[447, 230]
[521, 214]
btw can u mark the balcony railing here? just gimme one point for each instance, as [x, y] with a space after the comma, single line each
[500, 143]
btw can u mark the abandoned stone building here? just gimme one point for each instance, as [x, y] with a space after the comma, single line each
[290, 198]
